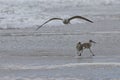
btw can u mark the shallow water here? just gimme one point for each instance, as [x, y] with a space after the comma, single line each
[59, 68]
[49, 53]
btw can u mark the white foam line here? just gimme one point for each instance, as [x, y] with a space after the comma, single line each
[44, 67]
[102, 32]
[38, 78]
[39, 34]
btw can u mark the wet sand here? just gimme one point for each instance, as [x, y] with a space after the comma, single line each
[50, 54]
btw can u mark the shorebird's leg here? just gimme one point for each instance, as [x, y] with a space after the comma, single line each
[77, 52]
[80, 53]
[91, 52]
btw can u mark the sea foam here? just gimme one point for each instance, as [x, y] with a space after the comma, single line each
[30, 13]
[60, 66]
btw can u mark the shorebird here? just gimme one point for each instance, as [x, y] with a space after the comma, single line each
[65, 21]
[81, 47]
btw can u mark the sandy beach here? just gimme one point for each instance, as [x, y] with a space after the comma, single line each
[50, 52]
[26, 54]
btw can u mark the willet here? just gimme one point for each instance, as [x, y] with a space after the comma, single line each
[81, 47]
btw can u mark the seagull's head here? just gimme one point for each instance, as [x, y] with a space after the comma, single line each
[66, 21]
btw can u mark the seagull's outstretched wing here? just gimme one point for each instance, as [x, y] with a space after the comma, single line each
[48, 21]
[80, 17]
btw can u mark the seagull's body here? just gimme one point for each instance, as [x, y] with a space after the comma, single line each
[66, 21]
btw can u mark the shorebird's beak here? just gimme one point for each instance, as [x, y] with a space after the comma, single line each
[93, 42]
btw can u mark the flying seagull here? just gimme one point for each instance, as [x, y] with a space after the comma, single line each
[66, 21]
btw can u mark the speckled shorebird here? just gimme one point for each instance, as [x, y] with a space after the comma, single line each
[81, 47]
[65, 21]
